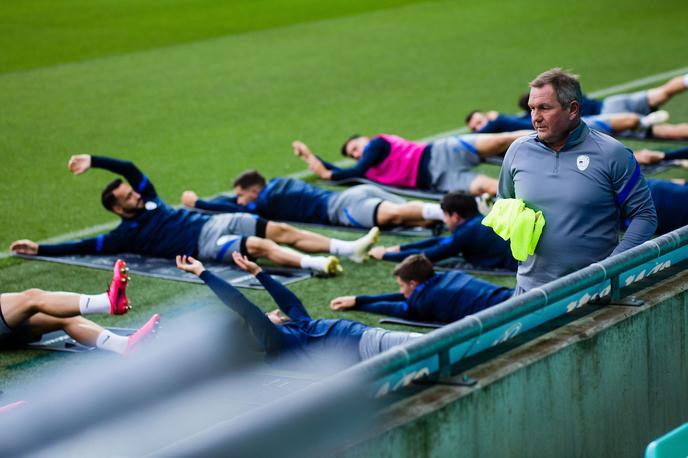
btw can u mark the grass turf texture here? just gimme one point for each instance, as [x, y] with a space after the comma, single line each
[197, 92]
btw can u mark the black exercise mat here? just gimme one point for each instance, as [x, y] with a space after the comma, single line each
[458, 263]
[417, 324]
[406, 192]
[60, 341]
[167, 269]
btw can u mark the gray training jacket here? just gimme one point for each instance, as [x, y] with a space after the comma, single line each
[583, 191]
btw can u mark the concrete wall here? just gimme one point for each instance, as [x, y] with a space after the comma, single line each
[604, 386]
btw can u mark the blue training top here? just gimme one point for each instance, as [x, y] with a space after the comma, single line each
[374, 153]
[304, 342]
[446, 297]
[285, 199]
[478, 245]
[158, 230]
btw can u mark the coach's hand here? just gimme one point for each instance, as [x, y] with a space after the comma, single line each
[343, 302]
[189, 264]
[189, 199]
[245, 264]
[79, 163]
[24, 247]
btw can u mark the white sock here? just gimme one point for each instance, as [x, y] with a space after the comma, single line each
[111, 342]
[685, 80]
[342, 247]
[90, 304]
[314, 262]
[432, 211]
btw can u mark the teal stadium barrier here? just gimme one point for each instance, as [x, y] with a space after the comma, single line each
[436, 352]
[671, 445]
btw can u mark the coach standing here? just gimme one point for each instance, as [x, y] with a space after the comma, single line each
[583, 181]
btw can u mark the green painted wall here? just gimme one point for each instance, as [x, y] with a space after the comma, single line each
[603, 386]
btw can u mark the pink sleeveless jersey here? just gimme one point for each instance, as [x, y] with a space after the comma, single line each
[400, 167]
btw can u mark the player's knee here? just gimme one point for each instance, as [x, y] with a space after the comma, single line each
[388, 213]
[257, 247]
[32, 298]
[280, 232]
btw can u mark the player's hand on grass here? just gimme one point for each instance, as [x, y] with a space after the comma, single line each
[301, 150]
[189, 199]
[377, 252]
[245, 264]
[79, 163]
[343, 302]
[189, 264]
[24, 247]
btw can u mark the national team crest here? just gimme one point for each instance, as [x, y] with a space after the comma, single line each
[582, 162]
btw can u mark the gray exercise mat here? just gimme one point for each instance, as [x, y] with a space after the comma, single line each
[418, 193]
[60, 341]
[458, 263]
[166, 269]
[416, 324]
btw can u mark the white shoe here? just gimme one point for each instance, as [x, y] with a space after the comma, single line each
[364, 244]
[332, 266]
[656, 117]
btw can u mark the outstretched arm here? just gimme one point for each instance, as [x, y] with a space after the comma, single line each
[80, 163]
[392, 304]
[435, 249]
[285, 299]
[221, 204]
[266, 332]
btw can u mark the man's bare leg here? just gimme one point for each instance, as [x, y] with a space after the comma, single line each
[484, 184]
[84, 331]
[670, 131]
[408, 214]
[19, 307]
[495, 144]
[264, 248]
[311, 242]
[658, 96]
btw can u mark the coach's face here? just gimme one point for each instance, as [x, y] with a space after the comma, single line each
[551, 120]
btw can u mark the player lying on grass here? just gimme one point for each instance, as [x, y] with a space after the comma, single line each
[289, 335]
[670, 199]
[642, 102]
[428, 296]
[648, 157]
[289, 199]
[443, 165]
[26, 316]
[477, 244]
[153, 228]
[621, 124]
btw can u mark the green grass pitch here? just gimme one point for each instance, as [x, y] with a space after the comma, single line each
[194, 92]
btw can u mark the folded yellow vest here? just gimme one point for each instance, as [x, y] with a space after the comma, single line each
[511, 219]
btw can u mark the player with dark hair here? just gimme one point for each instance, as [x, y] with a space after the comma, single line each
[477, 244]
[289, 335]
[151, 227]
[425, 295]
[26, 316]
[289, 199]
[443, 165]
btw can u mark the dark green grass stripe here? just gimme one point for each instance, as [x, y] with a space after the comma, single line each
[39, 33]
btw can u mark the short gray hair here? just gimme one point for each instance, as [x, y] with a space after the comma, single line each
[565, 84]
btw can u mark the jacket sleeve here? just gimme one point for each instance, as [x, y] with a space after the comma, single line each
[220, 205]
[633, 197]
[434, 249]
[393, 304]
[375, 152]
[265, 331]
[285, 299]
[129, 171]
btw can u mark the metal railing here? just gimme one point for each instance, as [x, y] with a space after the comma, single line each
[438, 351]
